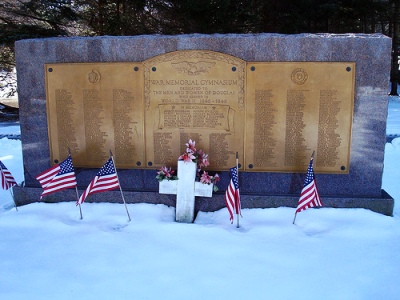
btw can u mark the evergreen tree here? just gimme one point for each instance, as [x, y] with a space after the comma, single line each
[117, 17]
[29, 19]
[21, 19]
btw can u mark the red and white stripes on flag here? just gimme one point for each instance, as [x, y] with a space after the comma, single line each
[7, 180]
[105, 180]
[59, 177]
[309, 196]
[232, 196]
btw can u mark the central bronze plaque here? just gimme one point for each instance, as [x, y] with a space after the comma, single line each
[196, 95]
[275, 114]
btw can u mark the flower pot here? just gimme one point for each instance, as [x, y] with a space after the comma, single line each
[168, 187]
[203, 189]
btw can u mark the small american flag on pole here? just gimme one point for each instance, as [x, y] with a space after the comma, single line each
[309, 196]
[59, 177]
[232, 196]
[7, 180]
[105, 180]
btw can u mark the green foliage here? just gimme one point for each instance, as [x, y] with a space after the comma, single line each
[121, 17]
[197, 16]
[43, 18]
[331, 16]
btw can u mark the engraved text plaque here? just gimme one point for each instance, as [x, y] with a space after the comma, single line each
[275, 114]
[294, 108]
[196, 95]
[93, 108]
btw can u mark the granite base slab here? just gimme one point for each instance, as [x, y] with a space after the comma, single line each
[383, 204]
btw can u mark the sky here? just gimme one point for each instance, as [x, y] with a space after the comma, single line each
[47, 252]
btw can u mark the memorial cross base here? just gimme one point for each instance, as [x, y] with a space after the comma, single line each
[185, 189]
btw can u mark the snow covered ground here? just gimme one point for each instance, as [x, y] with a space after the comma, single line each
[47, 252]
[7, 84]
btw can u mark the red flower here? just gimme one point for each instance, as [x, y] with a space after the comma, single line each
[191, 146]
[205, 178]
[202, 159]
[167, 172]
[216, 178]
[187, 157]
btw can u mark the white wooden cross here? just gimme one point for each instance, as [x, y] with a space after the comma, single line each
[185, 189]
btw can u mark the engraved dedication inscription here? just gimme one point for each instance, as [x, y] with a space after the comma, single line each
[196, 95]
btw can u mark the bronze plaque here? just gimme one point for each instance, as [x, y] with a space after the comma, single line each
[93, 108]
[145, 112]
[196, 95]
[294, 108]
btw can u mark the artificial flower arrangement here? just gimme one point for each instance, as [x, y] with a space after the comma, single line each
[166, 173]
[191, 155]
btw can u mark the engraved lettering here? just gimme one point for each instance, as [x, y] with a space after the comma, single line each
[264, 120]
[93, 120]
[295, 147]
[65, 108]
[328, 139]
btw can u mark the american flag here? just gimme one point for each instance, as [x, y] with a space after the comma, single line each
[105, 180]
[59, 177]
[7, 180]
[232, 196]
[309, 196]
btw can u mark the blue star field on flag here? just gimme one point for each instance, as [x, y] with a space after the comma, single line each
[234, 176]
[66, 166]
[310, 174]
[107, 169]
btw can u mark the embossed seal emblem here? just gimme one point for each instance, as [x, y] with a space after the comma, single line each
[94, 76]
[193, 68]
[299, 76]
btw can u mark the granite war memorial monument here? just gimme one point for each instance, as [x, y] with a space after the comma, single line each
[272, 98]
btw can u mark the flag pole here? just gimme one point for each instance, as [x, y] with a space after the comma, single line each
[77, 197]
[12, 195]
[122, 194]
[312, 157]
[237, 171]
[294, 217]
[76, 189]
